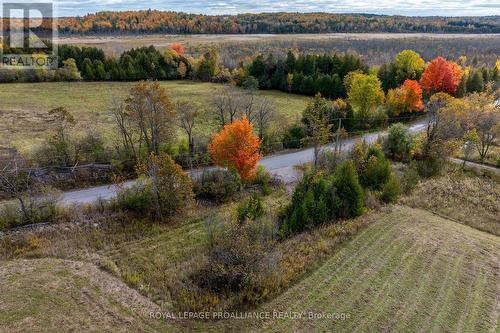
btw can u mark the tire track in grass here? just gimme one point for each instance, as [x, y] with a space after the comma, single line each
[474, 321]
[372, 241]
[354, 262]
[453, 303]
[363, 297]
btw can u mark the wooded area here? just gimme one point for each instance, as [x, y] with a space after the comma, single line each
[155, 21]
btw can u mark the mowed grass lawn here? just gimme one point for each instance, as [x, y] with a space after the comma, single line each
[408, 270]
[24, 106]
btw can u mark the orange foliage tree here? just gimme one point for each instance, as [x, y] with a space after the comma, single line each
[412, 95]
[177, 47]
[441, 76]
[236, 147]
[407, 98]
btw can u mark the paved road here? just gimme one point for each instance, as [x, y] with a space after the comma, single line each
[281, 165]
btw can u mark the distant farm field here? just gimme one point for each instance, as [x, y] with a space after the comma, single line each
[24, 106]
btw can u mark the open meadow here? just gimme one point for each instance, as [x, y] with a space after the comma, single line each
[24, 106]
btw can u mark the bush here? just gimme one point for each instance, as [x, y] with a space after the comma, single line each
[430, 165]
[171, 187]
[294, 137]
[239, 261]
[217, 185]
[348, 199]
[373, 169]
[135, 199]
[410, 179]
[40, 209]
[391, 191]
[376, 172]
[263, 178]
[309, 204]
[250, 209]
[398, 143]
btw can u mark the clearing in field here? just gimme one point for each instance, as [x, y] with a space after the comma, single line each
[408, 270]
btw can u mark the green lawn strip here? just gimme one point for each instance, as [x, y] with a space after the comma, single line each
[432, 298]
[405, 297]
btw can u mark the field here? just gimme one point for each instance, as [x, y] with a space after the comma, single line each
[24, 106]
[408, 270]
[375, 48]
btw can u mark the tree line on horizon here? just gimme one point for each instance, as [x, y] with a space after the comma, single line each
[155, 21]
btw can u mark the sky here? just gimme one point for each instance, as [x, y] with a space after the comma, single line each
[389, 7]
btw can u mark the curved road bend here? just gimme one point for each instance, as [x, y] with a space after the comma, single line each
[281, 165]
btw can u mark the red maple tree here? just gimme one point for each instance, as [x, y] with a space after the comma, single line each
[441, 76]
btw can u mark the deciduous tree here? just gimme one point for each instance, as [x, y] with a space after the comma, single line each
[236, 147]
[171, 187]
[152, 112]
[178, 47]
[364, 94]
[407, 98]
[409, 65]
[440, 76]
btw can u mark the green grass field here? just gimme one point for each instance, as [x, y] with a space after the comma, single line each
[24, 106]
[407, 271]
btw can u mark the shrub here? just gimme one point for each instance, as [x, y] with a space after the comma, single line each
[250, 209]
[217, 185]
[373, 169]
[250, 83]
[398, 143]
[410, 179]
[239, 259]
[40, 209]
[136, 199]
[309, 204]
[348, 200]
[430, 165]
[391, 191]
[263, 178]
[294, 137]
[171, 187]
[375, 173]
